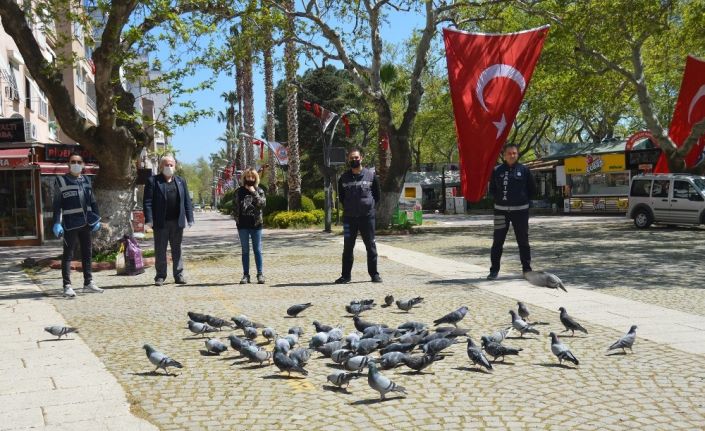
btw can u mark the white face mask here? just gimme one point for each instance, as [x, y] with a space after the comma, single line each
[168, 171]
[76, 169]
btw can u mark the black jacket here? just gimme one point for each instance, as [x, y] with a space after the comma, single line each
[512, 186]
[74, 203]
[249, 205]
[154, 202]
[358, 193]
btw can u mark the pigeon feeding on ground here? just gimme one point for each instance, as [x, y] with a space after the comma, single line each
[340, 378]
[294, 310]
[198, 317]
[300, 355]
[434, 347]
[361, 325]
[200, 328]
[242, 322]
[217, 322]
[544, 279]
[250, 332]
[318, 340]
[380, 383]
[257, 355]
[561, 350]
[269, 333]
[522, 326]
[408, 304]
[522, 311]
[626, 342]
[214, 345]
[160, 360]
[59, 331]
[285, 363]
[453, 317]
[335, 334]
[341, 355]
[499, 335]
[282, 344]
[420, 362]
[297, 330]
[398, 347]
[238, 343]
[497, 350]
[476, 356]
[320, 327]
[412, 326]
[356, 363]
[388, 301]
[357, 308]
[391, 360]
[570, 323]
[328, 348]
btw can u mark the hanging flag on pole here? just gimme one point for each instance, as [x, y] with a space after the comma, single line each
[690, 108]
[324, 116]
[488, 76]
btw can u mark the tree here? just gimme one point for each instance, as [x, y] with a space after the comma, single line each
[292, 124]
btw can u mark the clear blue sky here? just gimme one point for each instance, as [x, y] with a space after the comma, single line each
[200, 139]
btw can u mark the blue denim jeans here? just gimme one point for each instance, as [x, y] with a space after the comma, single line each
[256, 235]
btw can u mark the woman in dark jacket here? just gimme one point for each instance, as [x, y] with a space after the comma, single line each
[247, 210]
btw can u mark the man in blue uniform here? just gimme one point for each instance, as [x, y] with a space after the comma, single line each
[75, 217]
[511, 186]
[358, 191]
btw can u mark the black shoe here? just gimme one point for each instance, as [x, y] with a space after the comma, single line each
[180, 280]
[245, 279]
[260, 279]
[159, 282]
[492, 275]
[376, 278]
[342, 280]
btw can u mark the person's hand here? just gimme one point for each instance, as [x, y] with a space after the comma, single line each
[251, 188]
[95, 227]
[58, 230]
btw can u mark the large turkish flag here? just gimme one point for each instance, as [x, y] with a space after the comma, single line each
[488, 75]
[690, 108]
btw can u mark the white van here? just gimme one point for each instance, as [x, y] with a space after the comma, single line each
[667, 198]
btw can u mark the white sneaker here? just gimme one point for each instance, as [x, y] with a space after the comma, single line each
[91, 287]
[68, 291]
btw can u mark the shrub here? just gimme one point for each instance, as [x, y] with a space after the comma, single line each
[275, 203]
[227, 201]
[307, 204]
[319, 199]
[286, 219]
[320, 215]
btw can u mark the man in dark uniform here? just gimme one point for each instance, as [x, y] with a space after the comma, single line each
[75, 217]
[511, 186]
[167, 209]
[358, 191]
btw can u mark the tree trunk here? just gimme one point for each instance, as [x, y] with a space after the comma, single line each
[269, 104]
[248, 101]
[241, 155]
[393, 181]
[294, 174]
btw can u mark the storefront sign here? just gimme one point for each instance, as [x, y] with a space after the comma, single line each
[12, 130]
[14, 162]
[590, 164]
[61, 153]
[637, 137]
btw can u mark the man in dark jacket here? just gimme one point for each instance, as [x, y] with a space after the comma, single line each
[167, 209]
[358, 191]
[75, 217]
[511, 186]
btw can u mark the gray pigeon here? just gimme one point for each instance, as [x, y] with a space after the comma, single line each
[285, 363]
[269, 333]
[352, 338]
[561, 350]
[391, 360]
[570, 323]
[243, 321]
[236, 342]
[301, 355]
[198, 317]
[282, 344]
[398, 347]
[328, 348]
[217, 322]
[522, 326]
[420, 362]
[200, 328]
[412, 326]
[294, 310]
[340, 378]
[522, 311]
[434, 347]
[356, 309]
[366, 346]
[214, 345]
[356, 363]
[335, 334]
[257, 355]
[388, 301]
[250, 332]
[453, 318]
[408, 304]
[476, 356]
[58, 330]
[160, 360]
[626, 342]
[544, 279]
[297, 330]
[413, 337]
[499, 335]
[321, 327]
[360, 324]
[293, 339]
[341, 355]
[318, 340]
[380, 383]
[497, 350]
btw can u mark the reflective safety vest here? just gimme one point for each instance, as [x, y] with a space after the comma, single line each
[359, 201]
[76, 199]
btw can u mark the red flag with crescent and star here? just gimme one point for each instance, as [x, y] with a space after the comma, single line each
[488, 75]
[690, 108]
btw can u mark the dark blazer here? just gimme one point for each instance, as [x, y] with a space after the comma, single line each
[154, 202]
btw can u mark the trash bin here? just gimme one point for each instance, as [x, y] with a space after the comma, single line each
[418, 217]
[398, 217]
[459, 205]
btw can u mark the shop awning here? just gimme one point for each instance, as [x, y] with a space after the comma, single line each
[14, 158]
[14, 153]
[48, 168]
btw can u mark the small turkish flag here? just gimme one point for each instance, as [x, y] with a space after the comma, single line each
[690, 108]
[488, 75]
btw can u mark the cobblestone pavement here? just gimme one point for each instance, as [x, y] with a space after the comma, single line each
[660, 265]
[655, 388]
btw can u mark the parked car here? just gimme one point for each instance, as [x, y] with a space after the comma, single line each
[197, 208]
[667, 198]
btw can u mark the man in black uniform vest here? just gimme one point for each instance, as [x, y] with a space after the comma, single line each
[358, 191]
[511, 186]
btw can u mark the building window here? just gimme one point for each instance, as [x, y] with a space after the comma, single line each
[28, 94]
[80, 80]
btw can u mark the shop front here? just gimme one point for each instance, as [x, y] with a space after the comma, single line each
[596, 184]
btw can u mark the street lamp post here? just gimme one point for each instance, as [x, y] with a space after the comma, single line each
[328, 191]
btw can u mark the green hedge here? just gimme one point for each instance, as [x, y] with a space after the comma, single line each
[319, 199]
[307, 204]
[294, 219]
[275, 203]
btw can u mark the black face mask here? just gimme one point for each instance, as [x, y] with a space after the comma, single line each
[354, 164]
[249, 183]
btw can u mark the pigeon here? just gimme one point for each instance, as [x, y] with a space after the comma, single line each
[373, 331]
[408, 304]
[367, 346]
[391, 360]
[352, 337]
[301, 355]
[435, 336]
[257, 355]
[451, 332]
[285, 363]
[282, 344]
[356, 309]
[296, 330]
[476, 356]
[217, 322]
[294, 310]
[412, 326]
[160, 360]
[250, 332]
[328, 348]
[370, 301]
[419, 362]
[398, 347]
[321, 327]
[200, 328]
[435, 346]
[242, 322]
[269, 333]
[561, 350]
[388, 301]
[497, 350]
[570, 323]
[214, 345]
[544, 279]
[341, 355]
[453, 317]
[499, 335]
[626, 342]
[198, 317]
[340, 378]
[335, 334]
[413, 337]
[522, 326]
[356, 363]
[293, 339]
[318, 340]
[380, 383]
[360, 324]
[58, 330]
[522, 311]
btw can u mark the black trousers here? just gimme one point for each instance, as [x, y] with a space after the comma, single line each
[366, 227]
[83, 237]
[170, 234]
[520, 222]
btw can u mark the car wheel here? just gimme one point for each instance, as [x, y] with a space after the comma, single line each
[642, 219]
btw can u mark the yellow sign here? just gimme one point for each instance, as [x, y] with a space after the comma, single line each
[591, 164]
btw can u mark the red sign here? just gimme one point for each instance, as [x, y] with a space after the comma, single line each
[12, 163]
[638, 136]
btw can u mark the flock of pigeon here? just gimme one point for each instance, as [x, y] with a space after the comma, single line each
[412, 344]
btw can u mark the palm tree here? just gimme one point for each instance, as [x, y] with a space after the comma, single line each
[269, 104]
[294, 173]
